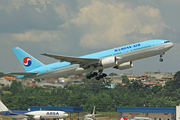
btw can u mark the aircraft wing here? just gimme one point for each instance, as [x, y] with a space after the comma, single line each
[19, 113]
[101, 117]
[23, 73]
[74, 60]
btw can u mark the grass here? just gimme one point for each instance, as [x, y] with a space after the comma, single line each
[6, 92]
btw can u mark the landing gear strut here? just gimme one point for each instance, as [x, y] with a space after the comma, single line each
[161, 55]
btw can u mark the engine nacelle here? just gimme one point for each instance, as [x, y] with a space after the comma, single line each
[109, 61]
[37, 117]
[125, 65]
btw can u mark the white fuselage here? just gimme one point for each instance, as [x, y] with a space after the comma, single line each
[36, 114]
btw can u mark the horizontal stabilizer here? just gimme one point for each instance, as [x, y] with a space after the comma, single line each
[23, 73]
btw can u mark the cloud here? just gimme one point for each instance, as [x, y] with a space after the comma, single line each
[11, 5]
[108, 24]
[36, 36]
[52, 40]
[28, 15]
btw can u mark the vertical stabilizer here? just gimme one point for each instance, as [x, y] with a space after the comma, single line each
[3, 107]
[93, 111]
[133, 115]
[27, 61]
[123, 118]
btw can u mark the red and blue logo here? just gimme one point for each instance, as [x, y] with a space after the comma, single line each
[27, 61]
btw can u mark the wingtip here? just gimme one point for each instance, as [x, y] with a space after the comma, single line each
[44, 54]
[15, 48]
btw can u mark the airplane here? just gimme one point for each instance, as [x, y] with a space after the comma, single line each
[92, 116]
[123, 118]
[31, 114]
[120, 58]
[134, 118]
[140, 118]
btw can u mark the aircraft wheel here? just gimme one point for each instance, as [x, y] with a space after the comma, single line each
[101, 76]
[88, 77]
[161, 60]
[95, 73]
[104, 75]
[97, 78]
[92, 75]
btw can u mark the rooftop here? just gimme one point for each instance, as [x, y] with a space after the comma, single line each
[9, 78]
[147, 109]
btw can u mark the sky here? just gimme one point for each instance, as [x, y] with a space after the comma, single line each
[80, 27]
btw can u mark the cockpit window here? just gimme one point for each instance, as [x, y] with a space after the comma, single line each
[166, 41]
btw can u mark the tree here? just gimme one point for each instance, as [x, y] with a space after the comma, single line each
[156, 89]
[14, 87]
[1, 74]
[177, 80]
[136, 85]
[177, 76]
[6, 88]
[93, 85]
[125, 79]
[38, 80]
[113, 74]
[1, 93]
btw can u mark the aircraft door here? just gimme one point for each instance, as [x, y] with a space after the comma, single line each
[47, 69]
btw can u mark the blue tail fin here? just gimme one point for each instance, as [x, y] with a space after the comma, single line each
[27, 61]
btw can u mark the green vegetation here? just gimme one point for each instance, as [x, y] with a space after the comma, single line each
[6, 92]
[94, 93]
[113, 74]
[2, 74]
[125, 79]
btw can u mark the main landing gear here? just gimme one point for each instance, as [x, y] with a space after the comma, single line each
[98, 75]
[161, 55]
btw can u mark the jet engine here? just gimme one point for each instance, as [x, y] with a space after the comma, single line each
[37, 117]
[109, 61]
[124, 66]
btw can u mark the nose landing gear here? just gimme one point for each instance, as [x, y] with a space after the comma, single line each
[161, 60]
[161, 55]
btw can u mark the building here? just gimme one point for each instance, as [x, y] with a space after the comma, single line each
[133, 77]
[115, 79]
[144, 77]
[159, 75]
[6, 80]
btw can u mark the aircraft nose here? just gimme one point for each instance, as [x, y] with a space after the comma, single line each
[65, 114]
[169, 45]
